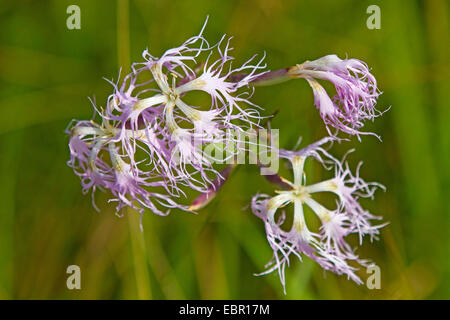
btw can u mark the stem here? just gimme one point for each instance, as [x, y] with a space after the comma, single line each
[139, 254]
[266, 79]
[123, 35]
[136, 237]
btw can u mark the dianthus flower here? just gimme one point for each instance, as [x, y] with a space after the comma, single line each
[328, 246]
[356, 91]
[149, 144]
[154, 138]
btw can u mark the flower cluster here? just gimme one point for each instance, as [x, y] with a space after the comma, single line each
[327, 246]
[153, 138]
[354, 102]
[148, 146]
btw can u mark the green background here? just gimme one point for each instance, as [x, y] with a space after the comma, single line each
[46, 224]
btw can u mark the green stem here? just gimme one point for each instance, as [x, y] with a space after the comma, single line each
[136, 236]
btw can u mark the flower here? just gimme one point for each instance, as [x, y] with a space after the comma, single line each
[327, 246]
[356, 91]
[154, 138]
[127, 184]
[150, 144]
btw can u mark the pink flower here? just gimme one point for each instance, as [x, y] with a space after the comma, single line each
[356, 91]
[327, 246]
[156, 136]
[128, 185]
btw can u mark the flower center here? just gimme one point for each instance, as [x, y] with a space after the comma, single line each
[300, 192]
[171, 96]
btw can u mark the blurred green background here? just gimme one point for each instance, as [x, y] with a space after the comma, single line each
[46, 224]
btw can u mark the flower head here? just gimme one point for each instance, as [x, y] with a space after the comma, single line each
[327, 246]
[356, 91]
[153, 137]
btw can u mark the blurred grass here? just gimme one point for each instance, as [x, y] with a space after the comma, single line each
[46, 224]
[8, 169]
